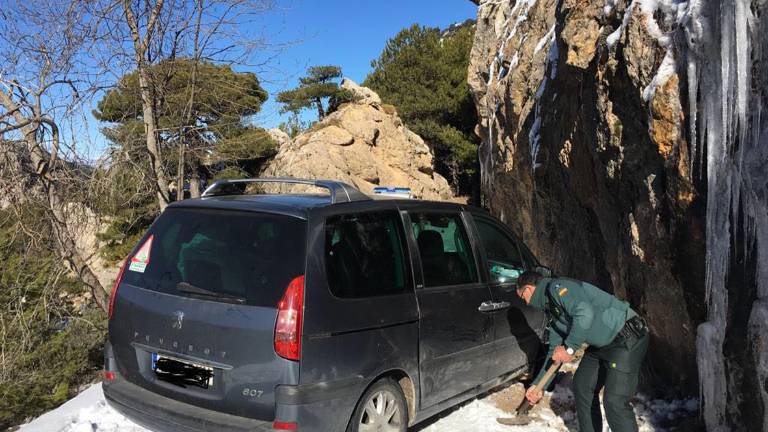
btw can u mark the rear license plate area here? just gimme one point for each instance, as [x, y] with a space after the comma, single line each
[181, 372]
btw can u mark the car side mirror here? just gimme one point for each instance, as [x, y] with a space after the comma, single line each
[544, 271]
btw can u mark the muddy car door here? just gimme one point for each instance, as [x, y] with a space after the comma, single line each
[455, 336]
[517, 328]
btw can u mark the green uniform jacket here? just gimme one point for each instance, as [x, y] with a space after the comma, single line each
[580, 313]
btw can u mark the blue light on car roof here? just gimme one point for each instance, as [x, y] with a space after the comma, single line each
[393, 191]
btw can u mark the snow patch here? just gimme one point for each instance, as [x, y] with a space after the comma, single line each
[609, 7]
[544, 39]
[87, 412]
[667, 68]
[614, 37]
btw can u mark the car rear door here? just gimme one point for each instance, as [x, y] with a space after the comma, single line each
[517, 327]
[200, 293]
[455, 337]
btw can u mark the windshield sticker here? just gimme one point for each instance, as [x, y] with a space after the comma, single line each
[140, 261]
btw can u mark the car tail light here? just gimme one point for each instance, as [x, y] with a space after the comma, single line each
[285, 426]
[290, 312]
[114, 289]
[109, 376]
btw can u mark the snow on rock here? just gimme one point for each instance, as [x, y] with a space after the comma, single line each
[665, 71]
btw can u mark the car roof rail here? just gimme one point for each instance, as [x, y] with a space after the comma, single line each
[340, 192]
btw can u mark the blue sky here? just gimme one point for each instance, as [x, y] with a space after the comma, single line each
[346, 33]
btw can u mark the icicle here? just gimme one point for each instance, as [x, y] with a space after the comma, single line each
[727, 125]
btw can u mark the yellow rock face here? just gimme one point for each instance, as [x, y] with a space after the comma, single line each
[667, 117]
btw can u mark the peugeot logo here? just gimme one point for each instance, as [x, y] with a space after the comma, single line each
[178, 320]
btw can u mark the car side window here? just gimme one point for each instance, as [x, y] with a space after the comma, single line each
[505, 262]
[365, 255]
[444, 248]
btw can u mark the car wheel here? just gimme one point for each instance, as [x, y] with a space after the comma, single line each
[381, 409]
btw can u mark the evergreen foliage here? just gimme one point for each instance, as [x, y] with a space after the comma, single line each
[423, 72]
[317, 90]
[214, 122]
[52, 336]
[294, 125]
[213, 129]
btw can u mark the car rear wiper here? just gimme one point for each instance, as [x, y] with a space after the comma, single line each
[192, 289]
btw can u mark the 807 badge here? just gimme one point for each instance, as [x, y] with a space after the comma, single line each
[140, 260]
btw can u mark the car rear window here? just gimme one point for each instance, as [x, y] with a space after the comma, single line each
[230, 256]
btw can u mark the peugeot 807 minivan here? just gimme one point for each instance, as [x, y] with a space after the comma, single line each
[314, 312]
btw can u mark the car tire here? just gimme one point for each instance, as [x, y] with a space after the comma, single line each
[381, 408]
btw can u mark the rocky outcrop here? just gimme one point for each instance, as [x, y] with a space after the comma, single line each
[585, 155]
[365, 144]
[611, 131]
[364, 94]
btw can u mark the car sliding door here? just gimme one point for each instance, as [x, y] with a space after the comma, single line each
[516, 328]
[455, 337]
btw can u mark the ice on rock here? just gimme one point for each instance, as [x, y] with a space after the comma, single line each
[723, 43]
[496, 72]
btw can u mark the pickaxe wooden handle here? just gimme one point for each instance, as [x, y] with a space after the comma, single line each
[526, 406]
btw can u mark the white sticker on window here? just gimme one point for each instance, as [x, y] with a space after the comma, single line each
[140, 261]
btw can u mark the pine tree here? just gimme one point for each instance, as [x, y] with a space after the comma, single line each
[423, 72]
[317, 90]
[203, 129]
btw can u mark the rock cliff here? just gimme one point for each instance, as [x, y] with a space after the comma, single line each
[365, 144]
[596, 150]
[590, 170]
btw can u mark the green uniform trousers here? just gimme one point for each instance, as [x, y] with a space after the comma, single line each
[616, 368]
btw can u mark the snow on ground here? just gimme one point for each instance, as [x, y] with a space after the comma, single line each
[557, 412]
[89, 412]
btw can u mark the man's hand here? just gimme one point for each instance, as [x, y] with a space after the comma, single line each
[561, 355]
[533, 395]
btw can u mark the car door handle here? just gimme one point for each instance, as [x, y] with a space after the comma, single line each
[489, 306]
[486, 306]
[502, 305]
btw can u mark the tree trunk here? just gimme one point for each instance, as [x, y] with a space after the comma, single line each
[66, 246]
[320, 110]
[67, 249]
[194, 179]
[180, 171]
[38, 165]
[150, 129]
[140, 47]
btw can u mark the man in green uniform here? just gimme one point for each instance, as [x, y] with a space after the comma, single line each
[580, 313]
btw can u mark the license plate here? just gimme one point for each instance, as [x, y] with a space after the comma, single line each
[181, 372]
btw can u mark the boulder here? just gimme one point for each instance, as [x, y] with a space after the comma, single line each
[364, 145]
[365, 95]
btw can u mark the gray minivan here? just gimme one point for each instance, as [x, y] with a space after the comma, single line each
[315, 312]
